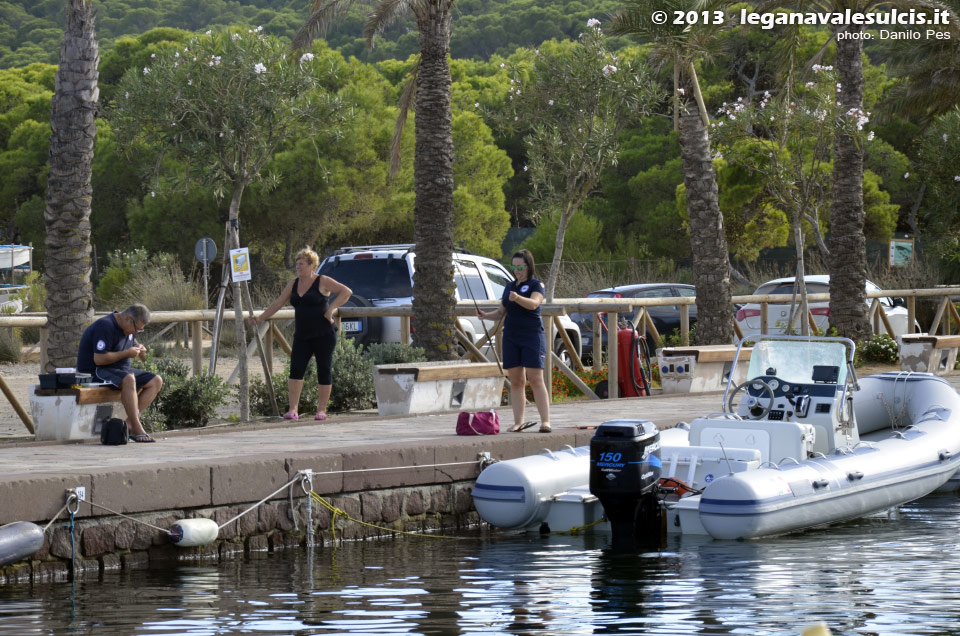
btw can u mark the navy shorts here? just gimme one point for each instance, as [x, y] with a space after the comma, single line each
[116, 376]
[529, 354]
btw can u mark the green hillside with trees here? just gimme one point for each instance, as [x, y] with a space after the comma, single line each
[337, 188]
[32, 30]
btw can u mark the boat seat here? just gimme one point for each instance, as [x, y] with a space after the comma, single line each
[776, 441]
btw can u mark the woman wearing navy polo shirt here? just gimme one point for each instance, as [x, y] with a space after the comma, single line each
[524, 344]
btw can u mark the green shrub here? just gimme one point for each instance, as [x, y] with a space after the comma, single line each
[881, 349]
[260, 397]
[184, 400]
[352, 379]
[393, 353]
[34, 298]
[10, 345]
[161, 286]
[195, 401]
[120, 267]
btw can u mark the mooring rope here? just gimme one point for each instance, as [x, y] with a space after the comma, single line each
[299, 477]
[343, 513]
[120, 514]
[306, 481]
[367, 470]
[576, 529]
[60, 512]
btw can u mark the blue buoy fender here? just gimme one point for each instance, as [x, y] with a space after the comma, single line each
[188, 533]
[19, 540]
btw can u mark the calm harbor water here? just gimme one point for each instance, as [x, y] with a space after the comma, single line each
[883, 575]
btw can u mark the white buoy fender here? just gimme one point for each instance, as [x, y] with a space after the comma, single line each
[188, 533]
[19, 540]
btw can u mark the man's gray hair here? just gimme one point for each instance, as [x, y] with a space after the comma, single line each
[138, 312]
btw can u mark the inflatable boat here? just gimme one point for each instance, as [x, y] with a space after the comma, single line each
[802, 443]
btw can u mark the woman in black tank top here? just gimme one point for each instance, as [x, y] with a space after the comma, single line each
[314, 328]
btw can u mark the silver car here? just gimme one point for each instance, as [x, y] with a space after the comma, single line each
[778, 315]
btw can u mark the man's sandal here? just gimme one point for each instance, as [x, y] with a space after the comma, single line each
[142, 438]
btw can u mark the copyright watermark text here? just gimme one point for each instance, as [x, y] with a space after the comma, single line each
[768, 20]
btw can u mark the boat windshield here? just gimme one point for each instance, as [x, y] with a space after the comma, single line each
[800, 361]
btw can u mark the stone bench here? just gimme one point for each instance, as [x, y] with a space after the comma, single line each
[434, 387]
[70, 414]
[700, 369]
[932, 354]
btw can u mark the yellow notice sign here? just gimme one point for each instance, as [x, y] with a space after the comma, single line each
[240, 264]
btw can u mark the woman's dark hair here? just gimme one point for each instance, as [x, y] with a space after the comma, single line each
[528, 261]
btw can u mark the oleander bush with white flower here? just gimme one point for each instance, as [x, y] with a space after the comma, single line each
[881, 349]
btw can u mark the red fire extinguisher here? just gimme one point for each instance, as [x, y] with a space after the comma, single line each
[630, 349]
[633, 364]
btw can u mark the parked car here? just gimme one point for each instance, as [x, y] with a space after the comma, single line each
[665, 318]
[382, 276]
[778, 315]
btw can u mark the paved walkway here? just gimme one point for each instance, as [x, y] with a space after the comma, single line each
[269, 436]
[21, 456]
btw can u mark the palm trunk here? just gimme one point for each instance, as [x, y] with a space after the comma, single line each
[67, 261]
[707, 240]
[433, 298]
[848, 256]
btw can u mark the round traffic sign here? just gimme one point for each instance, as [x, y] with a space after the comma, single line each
[205, 250]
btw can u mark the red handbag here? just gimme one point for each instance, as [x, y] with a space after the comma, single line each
[482, 423]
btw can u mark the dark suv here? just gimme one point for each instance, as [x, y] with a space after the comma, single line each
[665, 318]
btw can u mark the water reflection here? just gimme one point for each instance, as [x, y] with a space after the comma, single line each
[875, 576]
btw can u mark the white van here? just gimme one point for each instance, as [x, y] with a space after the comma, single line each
[382, 276]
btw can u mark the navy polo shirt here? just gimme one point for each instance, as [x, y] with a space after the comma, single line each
[103, 336]
[520, 321]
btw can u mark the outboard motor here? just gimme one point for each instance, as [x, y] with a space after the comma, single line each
[624, 472]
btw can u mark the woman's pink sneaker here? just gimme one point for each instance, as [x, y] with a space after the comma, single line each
[291, 415]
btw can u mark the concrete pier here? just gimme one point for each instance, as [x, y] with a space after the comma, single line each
[409, 473]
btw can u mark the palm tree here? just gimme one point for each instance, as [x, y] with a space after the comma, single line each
[69, 191]
[681, 48]
[848, 257]
[848, 246]
[433, 299]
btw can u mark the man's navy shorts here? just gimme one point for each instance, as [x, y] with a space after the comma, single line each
[116, 376]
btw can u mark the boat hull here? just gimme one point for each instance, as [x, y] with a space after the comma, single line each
[895, 465]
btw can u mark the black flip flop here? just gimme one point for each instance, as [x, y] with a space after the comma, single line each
[522, 426]
[142, 438]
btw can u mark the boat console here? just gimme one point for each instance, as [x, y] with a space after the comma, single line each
[797, 392]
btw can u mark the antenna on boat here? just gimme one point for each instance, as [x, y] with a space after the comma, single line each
[729, 467]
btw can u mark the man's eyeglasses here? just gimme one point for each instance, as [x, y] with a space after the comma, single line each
[139, 328]
[516, 268]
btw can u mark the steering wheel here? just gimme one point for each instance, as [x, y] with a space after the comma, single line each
[766, 388]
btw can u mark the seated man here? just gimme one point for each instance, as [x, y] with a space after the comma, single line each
[105, 351]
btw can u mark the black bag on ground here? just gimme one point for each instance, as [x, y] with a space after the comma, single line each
[113, 431]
